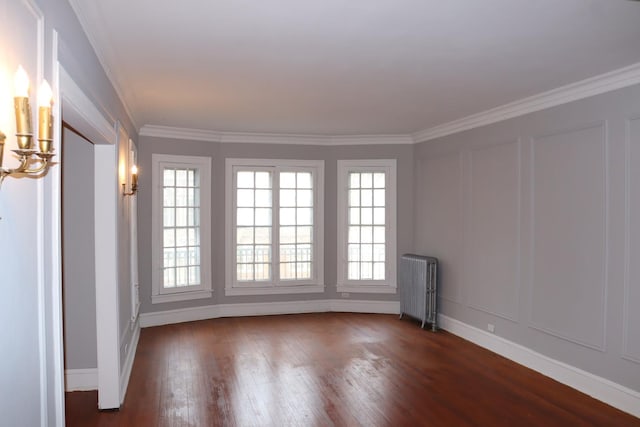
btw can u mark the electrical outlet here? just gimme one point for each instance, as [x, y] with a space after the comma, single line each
[346, 295]
[491, 327]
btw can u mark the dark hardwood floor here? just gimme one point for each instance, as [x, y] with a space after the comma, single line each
[332, 369]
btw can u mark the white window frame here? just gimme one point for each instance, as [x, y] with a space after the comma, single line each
[367, 286]
[313, 285]
[160, 294]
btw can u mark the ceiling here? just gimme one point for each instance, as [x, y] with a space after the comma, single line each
[338, 67]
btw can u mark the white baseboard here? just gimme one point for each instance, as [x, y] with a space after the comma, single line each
[81, 379]
[266, 308]
[125, 373]
[600, 388]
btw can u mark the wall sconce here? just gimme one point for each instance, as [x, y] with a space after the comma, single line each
[134, 182]
[24, 133]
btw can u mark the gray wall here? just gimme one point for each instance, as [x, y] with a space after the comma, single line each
[219, 152]
[78, 253]
[535, 220]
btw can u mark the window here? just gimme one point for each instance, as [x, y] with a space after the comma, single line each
[367, 226]
[274, 226]
[181, 228]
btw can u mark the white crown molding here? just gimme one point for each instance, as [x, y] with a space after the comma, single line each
[101, 48]
[270, 138]
[612, 393]
[597, 85]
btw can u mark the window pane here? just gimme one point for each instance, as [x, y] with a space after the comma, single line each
[354, 180]
[245, 198]
[193, 235]
[354, 197]
[366, 271]
[304, 234]
[169, 238]
[262, 271]
[379, 180]
[181, 197]
[366, 180]
[181, 217]
[378, 234]
[354, 216]
[169, 217]
[354, 235]
[366, 198]
[354, 253]
[262, 254]
[263, 198]
[378, 271]
[182, 257]
[263, 179]
[181, 237]
[304, 198]
[304, 216]
[378, 198]
[169, 259]
[303, 270]
[169, 196]
[191, 182]
[194, 256]
[366, 252]
[287, 180]
[181, 179]
[287, 235]
[263, 216]
[169, 277]
[287, 271]
[287, 216]
[263, 235]
[304, 180]
[366, 235]
[244, 253]
[378, 216]
[244, 272]
[378, 252]
[287, 197]
[194, 275]
[287, 253]
[303, 253]
[353, 271]
[244, 180]
[169, 178]
[245, 216]
[366, 215]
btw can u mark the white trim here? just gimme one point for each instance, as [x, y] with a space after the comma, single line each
[266, 308]
[388, 166]
[275, 286]
[203, 290]
[607, 82]
[614, 394]
[125, 375]
[271, 138]
[81, 379]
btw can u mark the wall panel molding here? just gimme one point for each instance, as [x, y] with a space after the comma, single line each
[556, 201]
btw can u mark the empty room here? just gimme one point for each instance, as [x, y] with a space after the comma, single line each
[320, 213]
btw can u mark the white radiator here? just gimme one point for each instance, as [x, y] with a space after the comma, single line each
[418, 288]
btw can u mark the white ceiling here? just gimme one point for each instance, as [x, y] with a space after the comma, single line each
[346, 67]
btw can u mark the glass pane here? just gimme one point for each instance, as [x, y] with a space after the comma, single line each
[304, 216]
[367, 215]
[366, 271]
[354, 235]
[366, 252]
[244, 180]
[354, 180]
[305, 198]
[262, 271]
[304, 234]
[169, 238]
[244, 272]
[169, 197]
[378, 198]
[353, 271]
[169, 178]
[366, 180]
[194, 236]
[287, 198]
[194, 256]
[263, 179]
[181, 217]
[378, 235]
[194, 275]
[378, 216]
[262, 254]
[353, 253]
[191, 197]
[263, 235]
[354, 215]
[287, 271]
[245, 198]
[287, 180]
[366, 198]
[244, 253]
[169, 217]
[182, 257]
[366, 235]
[378, 271]
[263, 198]
[287, 253]
[354, 197]
[303, 270]
[191, 178]
[181, 178]
[288, 216]
[169, 257]
[169, 278]
[245, 216]
[181, 197]
[304, 180]
[287, 235]
[378, 253]
[303, 253]
[181, 237]
[378, 180]
[263, 216]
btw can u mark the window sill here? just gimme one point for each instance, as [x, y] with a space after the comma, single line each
[180, 296]
[368, 289]
[273, 290]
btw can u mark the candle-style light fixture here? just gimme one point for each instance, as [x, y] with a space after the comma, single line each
[24, 132]
[134, 182]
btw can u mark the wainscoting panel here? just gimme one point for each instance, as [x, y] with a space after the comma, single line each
[569, 234]
[492, 233]
[440, 203]
[631, 314]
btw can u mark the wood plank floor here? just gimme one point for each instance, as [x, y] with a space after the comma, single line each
[332, 369]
